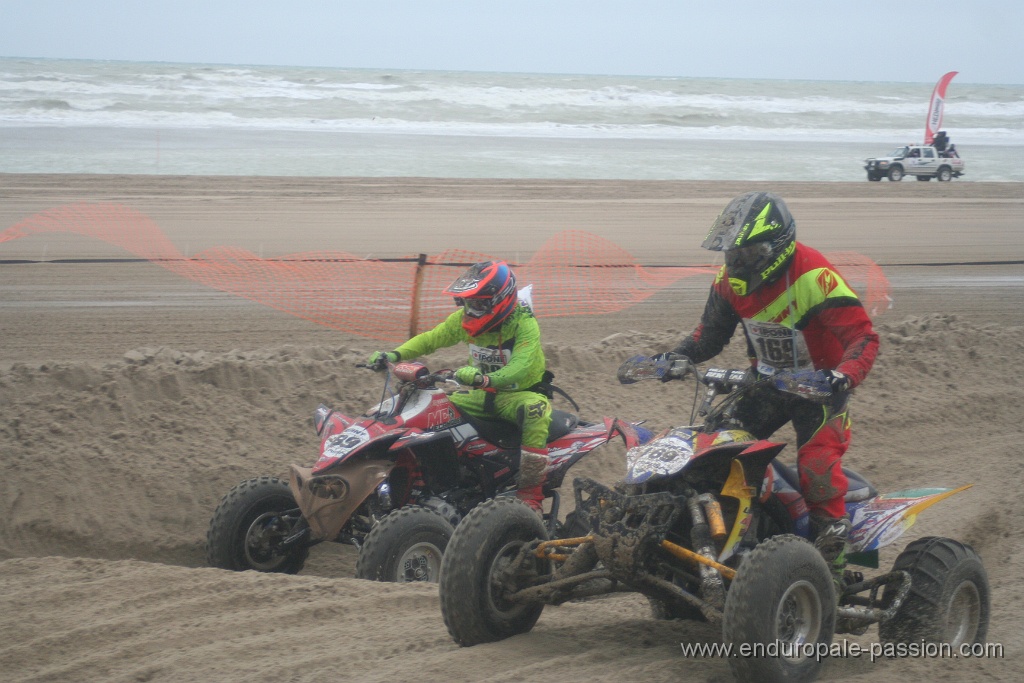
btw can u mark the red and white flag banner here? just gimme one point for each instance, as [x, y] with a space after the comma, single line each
[936, 106]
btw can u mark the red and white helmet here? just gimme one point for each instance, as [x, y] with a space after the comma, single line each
[487, 293]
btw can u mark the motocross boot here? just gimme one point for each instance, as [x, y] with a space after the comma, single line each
[533, 463]
[830, 537]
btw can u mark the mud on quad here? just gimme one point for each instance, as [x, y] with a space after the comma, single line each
[709, 525]
[394, 482]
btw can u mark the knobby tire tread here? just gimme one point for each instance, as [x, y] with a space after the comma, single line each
[378, 552]
[221, 536]
[462, 591]
[741, 620]
[930, 560]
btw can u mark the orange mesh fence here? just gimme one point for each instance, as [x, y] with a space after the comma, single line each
[573, 273]
[865, 277]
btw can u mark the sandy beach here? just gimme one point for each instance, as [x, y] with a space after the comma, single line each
[132, 399]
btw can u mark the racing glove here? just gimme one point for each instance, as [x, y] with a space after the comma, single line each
[837, 380]
[668, 357]
[378, 359]
[471, 377]
[814, 385]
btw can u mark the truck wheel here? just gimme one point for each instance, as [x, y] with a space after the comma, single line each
[404, 547]
[945, 174]
[475, 573]
[949, 596]
[874, 177]
[249, 525]
[783, 597]
[925, 178]
[896, 174]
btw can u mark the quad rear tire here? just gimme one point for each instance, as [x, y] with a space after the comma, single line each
[406, 546]
[949, 595]
[249, 525]
[782, 596]
[474, 573]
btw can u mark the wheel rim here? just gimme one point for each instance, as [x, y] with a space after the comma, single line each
[420, 563]
[262, 539]
[963, 615]
[798, 617]
[498, 576]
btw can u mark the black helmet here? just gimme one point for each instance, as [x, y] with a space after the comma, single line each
[758, 235]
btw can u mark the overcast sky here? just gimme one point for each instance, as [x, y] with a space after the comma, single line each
[863, 40]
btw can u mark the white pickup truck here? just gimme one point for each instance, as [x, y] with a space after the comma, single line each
[923, 161]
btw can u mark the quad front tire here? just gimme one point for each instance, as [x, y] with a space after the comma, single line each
[783, 597]
[249, 526]
[406, 546]
[949, 595]
[477, 573]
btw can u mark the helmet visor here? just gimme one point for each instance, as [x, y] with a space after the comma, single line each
[748, 259]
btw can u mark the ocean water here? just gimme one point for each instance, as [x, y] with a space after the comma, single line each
[72, 116]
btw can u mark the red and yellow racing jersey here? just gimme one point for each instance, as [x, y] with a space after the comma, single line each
[807, 317]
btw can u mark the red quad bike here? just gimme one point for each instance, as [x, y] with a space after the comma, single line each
[394, 482]
[710, 526]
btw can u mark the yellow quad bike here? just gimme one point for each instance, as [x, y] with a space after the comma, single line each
[709, 525]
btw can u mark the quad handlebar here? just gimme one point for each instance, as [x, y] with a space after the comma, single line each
[809, 384]
[411, 372]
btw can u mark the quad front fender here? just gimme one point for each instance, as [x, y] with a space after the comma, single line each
[327, 421]
[632, 435]
[354, 443]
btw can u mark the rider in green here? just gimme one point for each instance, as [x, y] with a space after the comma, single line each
[506, 363]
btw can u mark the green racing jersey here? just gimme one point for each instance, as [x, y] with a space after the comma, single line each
[510, 356]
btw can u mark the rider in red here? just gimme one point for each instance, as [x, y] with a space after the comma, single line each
[797, 314]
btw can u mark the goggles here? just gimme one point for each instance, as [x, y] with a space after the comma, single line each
[475, 308]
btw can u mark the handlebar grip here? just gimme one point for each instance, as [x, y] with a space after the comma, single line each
[679, 368]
